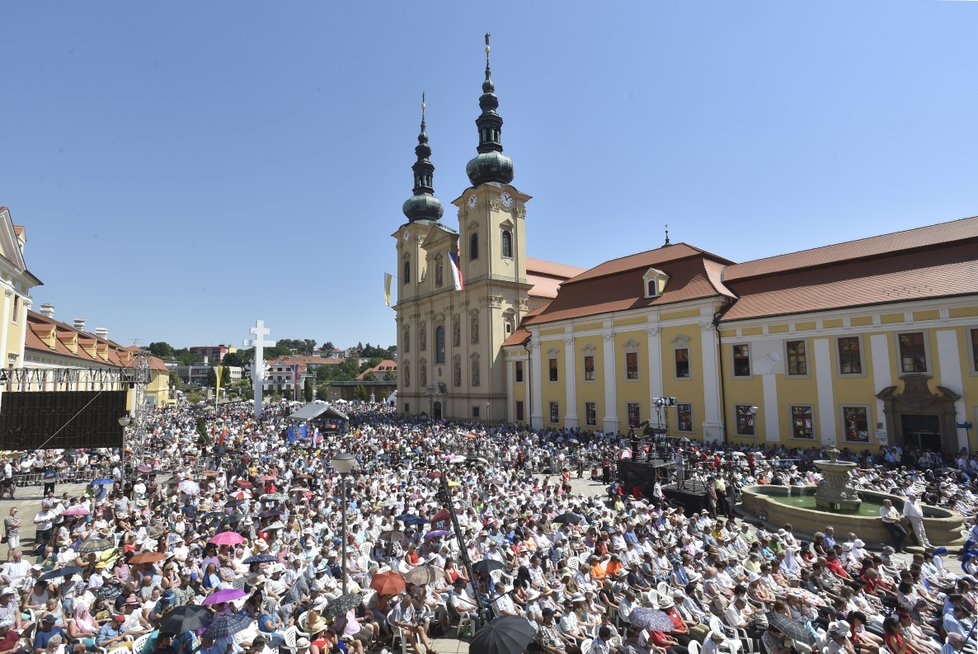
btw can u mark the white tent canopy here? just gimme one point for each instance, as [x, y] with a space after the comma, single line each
[315, 409]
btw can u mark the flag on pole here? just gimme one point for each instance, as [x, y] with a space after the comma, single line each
[456, 271]
[387, 287]
[217, 387]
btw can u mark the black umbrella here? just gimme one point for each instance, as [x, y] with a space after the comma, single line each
[568, 519]
[341, 605]
[260, 558]
[227, 625]
[392, 536]
[485, 566]
[790, 628]
[186, 618]
[60, 572]
[94, 545]
[271, 513]
[509, 634]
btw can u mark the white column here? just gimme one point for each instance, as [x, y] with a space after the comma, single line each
[772, 426]
[526, 390]
[610, 383]
[536, 415]
[4, 332]
[882, 376]
[27, 304]
[712, 409]
[949, 359]
[570, 360]
[510, 394]
[656, 385]
[823, 385]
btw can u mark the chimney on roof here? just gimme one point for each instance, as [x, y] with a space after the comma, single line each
[79, 324]
[102, 332]
[47, 310]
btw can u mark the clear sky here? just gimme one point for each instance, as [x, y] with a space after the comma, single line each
[184, 168]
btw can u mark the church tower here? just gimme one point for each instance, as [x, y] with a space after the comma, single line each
[423, 211]
[492, 253]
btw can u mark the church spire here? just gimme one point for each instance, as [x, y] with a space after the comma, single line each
[490, 165]
[667, 237]
[423, 205]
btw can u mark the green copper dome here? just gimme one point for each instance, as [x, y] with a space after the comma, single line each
[489, 167]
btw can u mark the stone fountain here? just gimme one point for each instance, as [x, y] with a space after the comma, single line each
[836, 492]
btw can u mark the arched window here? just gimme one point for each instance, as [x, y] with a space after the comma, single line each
[406, 275]
[474, 246]
[507, 243]
[440, 344]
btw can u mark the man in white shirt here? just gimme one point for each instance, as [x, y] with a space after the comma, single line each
[915, 513]
[15, 569]
[891, 520]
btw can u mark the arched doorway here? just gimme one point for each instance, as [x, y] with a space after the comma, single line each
[919, 418]
[436, 410]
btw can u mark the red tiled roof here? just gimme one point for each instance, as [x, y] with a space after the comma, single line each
[551, 268]
[950, 271]
[618, 286]
[645, 260]
[874, 246]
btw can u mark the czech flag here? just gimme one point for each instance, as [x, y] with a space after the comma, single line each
[456, 271]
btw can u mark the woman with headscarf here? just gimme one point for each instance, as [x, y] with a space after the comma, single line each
[82, 626]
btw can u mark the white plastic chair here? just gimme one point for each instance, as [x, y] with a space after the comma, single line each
[663, 589]
[733, 642]
[139, 643]
[693, 647]
[586, 646]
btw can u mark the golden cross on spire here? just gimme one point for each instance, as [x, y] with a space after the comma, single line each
[487, 48]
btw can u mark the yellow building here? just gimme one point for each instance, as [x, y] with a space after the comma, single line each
[860, 344]
[70, 358]
[17, 282]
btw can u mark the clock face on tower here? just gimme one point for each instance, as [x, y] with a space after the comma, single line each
[472, 201]
[506, 199]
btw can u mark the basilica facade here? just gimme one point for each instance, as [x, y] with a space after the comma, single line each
[859, 344]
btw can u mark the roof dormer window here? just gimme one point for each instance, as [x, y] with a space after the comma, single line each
[654, 282]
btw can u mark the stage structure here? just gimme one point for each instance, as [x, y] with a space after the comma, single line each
[58, 408]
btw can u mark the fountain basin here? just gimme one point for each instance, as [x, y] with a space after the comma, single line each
[778, 504]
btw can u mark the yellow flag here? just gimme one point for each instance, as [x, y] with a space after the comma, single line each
[387, 288]
[217, 390]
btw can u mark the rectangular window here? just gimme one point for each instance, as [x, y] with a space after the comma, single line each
[553, 370]
[591, 413]
[855, 422]
[797, 358]
[519, 410]
[519, 372]
[745, 419]
[685, 421]
[974, 350]
[802, 425]
[475, 412]
[589, 367]
[741, 360]
[634, 414]
[850, 357]
[407, 407]
[913, 353]
[554, 412]
[682, 362]
[16, 308]
[631, 366]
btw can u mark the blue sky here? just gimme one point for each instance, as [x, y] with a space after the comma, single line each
[184, 168]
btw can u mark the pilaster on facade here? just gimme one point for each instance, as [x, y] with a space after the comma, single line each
[713, 418]
[610, 421]
[536, 381]
[570, 358]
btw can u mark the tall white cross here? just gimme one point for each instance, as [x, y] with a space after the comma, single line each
[259, 331]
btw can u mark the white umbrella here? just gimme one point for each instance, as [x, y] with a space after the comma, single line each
[189, 487]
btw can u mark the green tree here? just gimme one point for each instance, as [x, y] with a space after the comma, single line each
[235, 359]
[328, 345]
[161, 349]
[212, 378]
[362, 394]
[307, 390]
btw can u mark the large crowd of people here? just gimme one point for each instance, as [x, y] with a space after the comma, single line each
[221, 534]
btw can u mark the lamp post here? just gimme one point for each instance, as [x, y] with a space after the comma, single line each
[124, 422]
[343, 463]
[753, 425]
